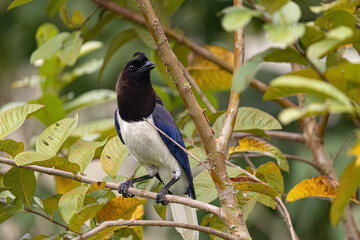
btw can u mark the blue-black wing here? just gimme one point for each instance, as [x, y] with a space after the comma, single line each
[164, 121]
[117, 125]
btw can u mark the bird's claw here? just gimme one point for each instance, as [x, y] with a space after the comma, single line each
[123, 188]
[160, 197]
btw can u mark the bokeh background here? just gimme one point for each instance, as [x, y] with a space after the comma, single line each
[200, 21]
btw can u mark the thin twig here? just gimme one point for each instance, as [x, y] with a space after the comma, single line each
[198, 90]
[88, 17]
[177, 144]
[343, 145]
[287, 219]
[298, 137]
[114, 186]
[159, 223]
[46, 217]
[248, 160]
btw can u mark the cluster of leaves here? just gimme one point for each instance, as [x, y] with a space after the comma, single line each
[328, 80]
[330, 86]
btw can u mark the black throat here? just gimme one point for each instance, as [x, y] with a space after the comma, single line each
[135, 101]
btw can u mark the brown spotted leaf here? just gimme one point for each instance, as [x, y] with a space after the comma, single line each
[11, 147]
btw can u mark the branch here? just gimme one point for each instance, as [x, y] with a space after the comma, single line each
[234, 101]
[298, 137]
[46, 217]
[177, 144]
[134, 17]
[114, 186]
[230, 211]
[159, 223]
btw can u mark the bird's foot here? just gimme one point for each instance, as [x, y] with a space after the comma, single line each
[123, 188]
[160, 197]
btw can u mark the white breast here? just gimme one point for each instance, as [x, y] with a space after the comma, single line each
[145, 144]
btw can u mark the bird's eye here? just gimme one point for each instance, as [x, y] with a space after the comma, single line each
[131, 67]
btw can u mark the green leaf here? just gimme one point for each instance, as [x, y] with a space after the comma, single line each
[50, 47]
[22, 182]
[103, 127]
[8, 209]
[160, 210]
[217, 224]
[72, 202]
[89, 98]
[113, 156]
[205, 188]
[70, 49]
[256, 145]
[11, 147]
[51, 139]
[85, 68]
[247, 201]
[346, 77]
[288, 115]
[334, 38]
[291, 85]
[54, 6]
[349, 182]
[17, 3]
[289, 13]
[340, 4]
[286, 34]
[118, 41]
[286, 55]
[249, 119]
[103, 21]
[82, 152]
[13, 118]
[272, 6]
[271, 174]
[337, 18]
[44, 32]
[267, 201]
[237, 17]
[78, 219]
[89, 47]
[312, 34]
[54, 108]
[51, 204]
[245, 74]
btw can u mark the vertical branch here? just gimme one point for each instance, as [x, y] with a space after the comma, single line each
[230, 211]
[234, 101]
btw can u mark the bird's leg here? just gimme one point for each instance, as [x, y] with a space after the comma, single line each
[123, 187]
[160, 197]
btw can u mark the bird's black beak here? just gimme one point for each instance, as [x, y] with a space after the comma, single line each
[147, 67]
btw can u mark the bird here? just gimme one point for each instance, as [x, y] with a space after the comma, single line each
[138, 108]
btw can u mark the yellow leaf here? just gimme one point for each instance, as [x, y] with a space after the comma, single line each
[63, 185]
[313, 187]
[120, 208]
[77, 18]
[208, 75]
[139, 212]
